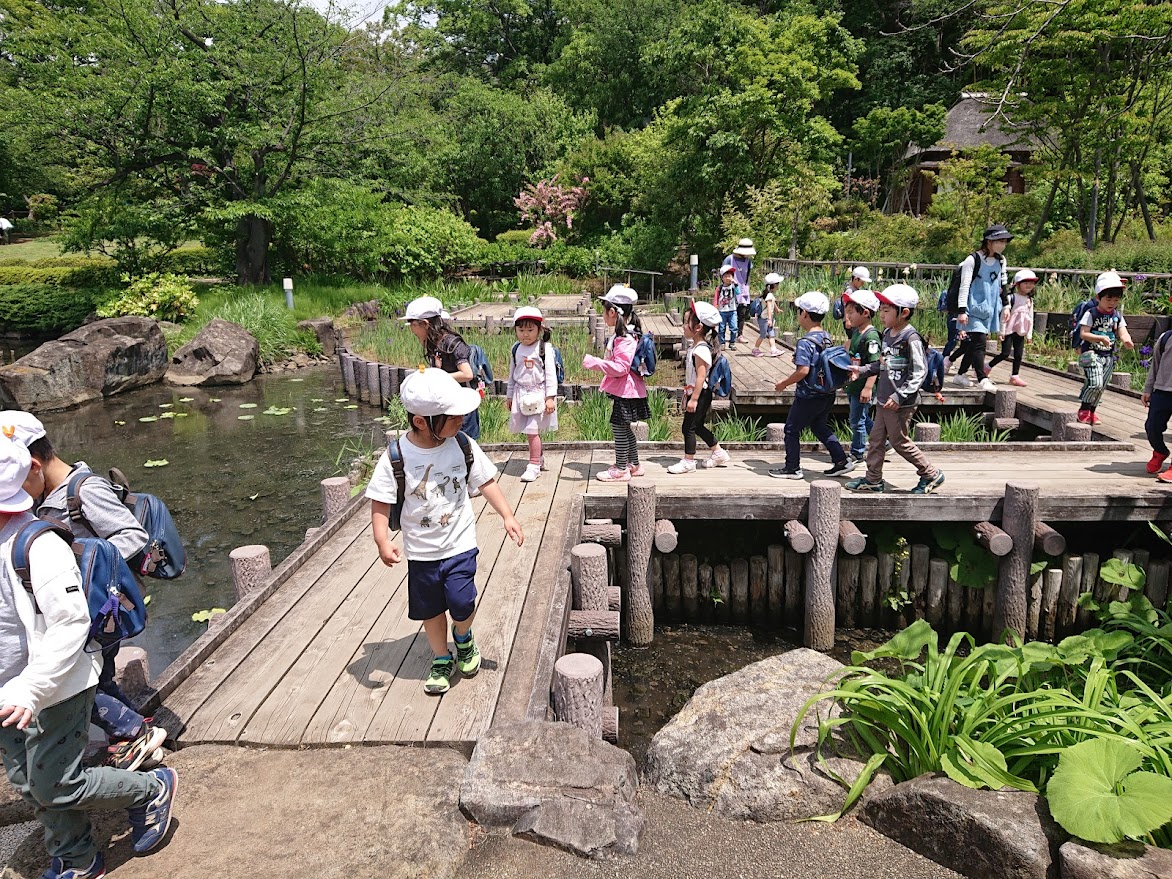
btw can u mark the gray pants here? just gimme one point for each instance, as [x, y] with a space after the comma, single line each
[44, 762]
[893, 424]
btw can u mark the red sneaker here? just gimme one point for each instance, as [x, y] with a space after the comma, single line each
[1084, 416]
[1166, 476]
[1095, 419]
[1156, 462]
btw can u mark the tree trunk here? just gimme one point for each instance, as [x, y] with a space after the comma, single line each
[252, 250]
[1138, 184]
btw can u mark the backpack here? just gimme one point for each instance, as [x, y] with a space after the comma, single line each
[164, 557]
[559, 366]
[830, 370]
[757, 307]
[942, 299]
[117, 609]
[400, 473]
[951, 296]
[1076, 318]
[481, 370]
[720, 378]
[643, 363]
[935, 364]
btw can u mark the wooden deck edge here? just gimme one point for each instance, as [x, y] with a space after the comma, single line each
[677, 445]
[203, 646]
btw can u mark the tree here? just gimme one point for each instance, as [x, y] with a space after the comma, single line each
[883, 136]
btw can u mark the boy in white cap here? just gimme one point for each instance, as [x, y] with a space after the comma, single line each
[865, 346]
[741, 259]
[860, 279]
[902, 371]
[437, 523]
[725, 301]
[1102, 329]
[811, 406]
[47, 684]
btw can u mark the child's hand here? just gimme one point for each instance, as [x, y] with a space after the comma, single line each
[1129, 345]
[891, 403]
[389, 552]
[513, 529]
[16, 716]
[855, 375]
[864, 394]
[1145, 399]
[691, 407]
[781, 385]
[551, 405]
[509, 403]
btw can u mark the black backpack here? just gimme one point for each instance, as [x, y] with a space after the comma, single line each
[952, 296]
[396, 456]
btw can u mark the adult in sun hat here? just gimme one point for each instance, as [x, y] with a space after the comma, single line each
[741, 259]
[980, 298]
[47, 683]
[533, 385]
[444, 349]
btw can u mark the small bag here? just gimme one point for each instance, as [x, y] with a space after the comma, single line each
[531, 403]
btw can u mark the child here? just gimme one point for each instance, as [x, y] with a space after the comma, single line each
[1100, 329]
[47, 684]
[861, 308]
[810, 408]
[439, 532]
[443, 347]
[700, 323]
[1157, 396]
[765, 316]
[725, 301]
[132, 740]
[741, 259]
[860, 278]
[979, 302]
[901, 372]
[1017, 323]
[533, 386]
[624, 387]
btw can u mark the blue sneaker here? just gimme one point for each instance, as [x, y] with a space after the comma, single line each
[149, 823]
[863, 484]
[57, 870]
[929, 484]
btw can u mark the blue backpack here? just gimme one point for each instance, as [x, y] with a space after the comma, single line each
[117, 610]
[942, 302]
[830, 370]
[481, 369]
[757, 307]
[559, 366]
[643, 363]
[1075, 317]
[164, 556]
[720, 379]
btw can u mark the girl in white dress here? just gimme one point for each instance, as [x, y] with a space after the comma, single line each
[533, 385]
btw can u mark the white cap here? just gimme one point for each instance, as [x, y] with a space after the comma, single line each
[864, 299]
[727, 269]
[423, 308]
[432, 391]
[773, 278]
[22, 427]
[706, 313]
[862, 273]
[745, 248]
[527, 312]
[900, 295]
[1024, 275]
[14, 467]
[1108, 281]
[621, 295]
[813, 302]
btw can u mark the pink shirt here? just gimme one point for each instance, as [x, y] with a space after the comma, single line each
[616, 368]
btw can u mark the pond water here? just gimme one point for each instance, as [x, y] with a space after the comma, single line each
[229, 481]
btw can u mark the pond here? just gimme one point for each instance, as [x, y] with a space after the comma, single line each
[234, 475]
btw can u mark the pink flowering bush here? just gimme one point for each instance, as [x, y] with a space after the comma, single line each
[550, 208]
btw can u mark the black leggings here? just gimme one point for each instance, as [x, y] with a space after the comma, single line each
[694, 423]
[742, 318]
[1014, 342]
[974, 355]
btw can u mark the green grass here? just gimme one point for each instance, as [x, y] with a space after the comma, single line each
[33, 249]
[961, 428]
[738, 429]
[267, 319]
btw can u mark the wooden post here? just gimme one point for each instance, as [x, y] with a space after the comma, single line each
[577, 692]
[610, 723]
[251, 568]
[608, 534]
[917, 564]
[1020, 515]
[883, 586]
[640, 534]
[666, 538]
[384, 384]
[394, 378]
[868, 575]
[655, 581]
[954, 603]
[490, 328]
[758, 605]
[671, 584]
[926, 432]
[848, 590]
[373, 384]
[799, 536]
[739, 571]
[973, 599]
[348, 375]
[360, 379]
[1051, 587]
[1048, 541]
[793, 585]
[824, 517]
[1090, 576]
[775, 559]
[599, 625]
[704, 583]
[1068, 598]
[1034, 607]
[775, 432]
[723, 580]
[688, 589]
[1157, 585]
[335, 495]
[988, 608]
[789, 339]
[1004, 403]
[994, 539]
[1121, 380]
[850, 538]
[937, 588]
[588, 576]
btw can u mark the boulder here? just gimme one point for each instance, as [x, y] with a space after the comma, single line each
[323, 328]
[554, 784]
[13, 808]
[223, 353]
[980, 833]
[728, 750]
[1127, 860]
[97, 360]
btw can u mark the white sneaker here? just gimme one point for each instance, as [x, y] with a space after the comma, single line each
[987, 384]
[532, 471]
[962, 381]
[684, 465]
[718, 458]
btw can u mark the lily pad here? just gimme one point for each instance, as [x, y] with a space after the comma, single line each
[277, 410]
[213, 399]
[341, 399]
[166, 405]
[351, 406]
[317, 399]
[248, 405]
[182, 414]
[245, 417]
[167, 415]
[186, 399]
[149, 418]
[120, 423]
[321, 409]
[158, 462]
[203, 616]
[253, 497]
[296, 379]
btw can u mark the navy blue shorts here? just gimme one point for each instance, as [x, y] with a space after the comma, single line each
[446, 586]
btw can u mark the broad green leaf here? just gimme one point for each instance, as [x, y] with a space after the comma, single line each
[277, 410]
[1096, 794]
[159, 462]
[908, 644]
[202, 616]
[1037, 567]
[1123, 573]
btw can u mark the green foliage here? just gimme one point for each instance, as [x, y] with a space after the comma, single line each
[65, 271]
[270, 322]
[39, 308]
[592, 415]
[970, 564]
[883, 136]
[961, 428]
[163, 297]
[738, 429]
[1125, 574]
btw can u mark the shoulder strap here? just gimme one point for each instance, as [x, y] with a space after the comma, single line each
[1162, 342]
[513, 355]
[23, 543]
[73, 496]
[396, 456]
[466, 447]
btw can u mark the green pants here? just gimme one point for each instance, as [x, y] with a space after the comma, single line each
[44, 762]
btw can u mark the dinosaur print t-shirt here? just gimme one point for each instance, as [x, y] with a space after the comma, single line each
[437, 513]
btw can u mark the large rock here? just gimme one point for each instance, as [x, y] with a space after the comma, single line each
[223, 353]
[13, 808]
[555, 784]
[1127, 860]
[94, 361]
[1005, 834]
[728, 750]
[323, 328]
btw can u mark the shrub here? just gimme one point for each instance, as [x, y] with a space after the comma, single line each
[163, 297]
[515, 236]
[198, 261]
[44, 308]
[270, 323]
[59, 272]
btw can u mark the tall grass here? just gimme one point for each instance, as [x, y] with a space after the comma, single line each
[738, 429]
[269, 321]
[961, 428]
[592, 416]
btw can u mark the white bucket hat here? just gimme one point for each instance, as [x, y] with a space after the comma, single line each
[22, 427]
[432, 391]
[862, 273]
[14, 466]
[745, 248]
[424, 308]
[773, 278]
[813, 302]
[1108, 281]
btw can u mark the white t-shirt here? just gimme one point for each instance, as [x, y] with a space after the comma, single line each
[1102, 325]
[5, 223]
[702, 352]
[437, 513]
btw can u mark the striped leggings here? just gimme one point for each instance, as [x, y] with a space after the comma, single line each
[626, 447]
[1097, 369]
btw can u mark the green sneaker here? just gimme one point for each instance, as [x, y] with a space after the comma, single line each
[862, 484]
[929, 484]
[467, 655]
[440, 679]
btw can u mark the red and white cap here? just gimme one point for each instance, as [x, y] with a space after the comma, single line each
[900, 295]
[1023, 275]
[864, 299]
[527, 312]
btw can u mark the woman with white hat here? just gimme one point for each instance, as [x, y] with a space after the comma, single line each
[741, 259]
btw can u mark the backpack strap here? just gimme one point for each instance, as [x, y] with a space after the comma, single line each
[513, 355]
[465, 442]
[398, 471]
[23, 542]
[73, 496]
